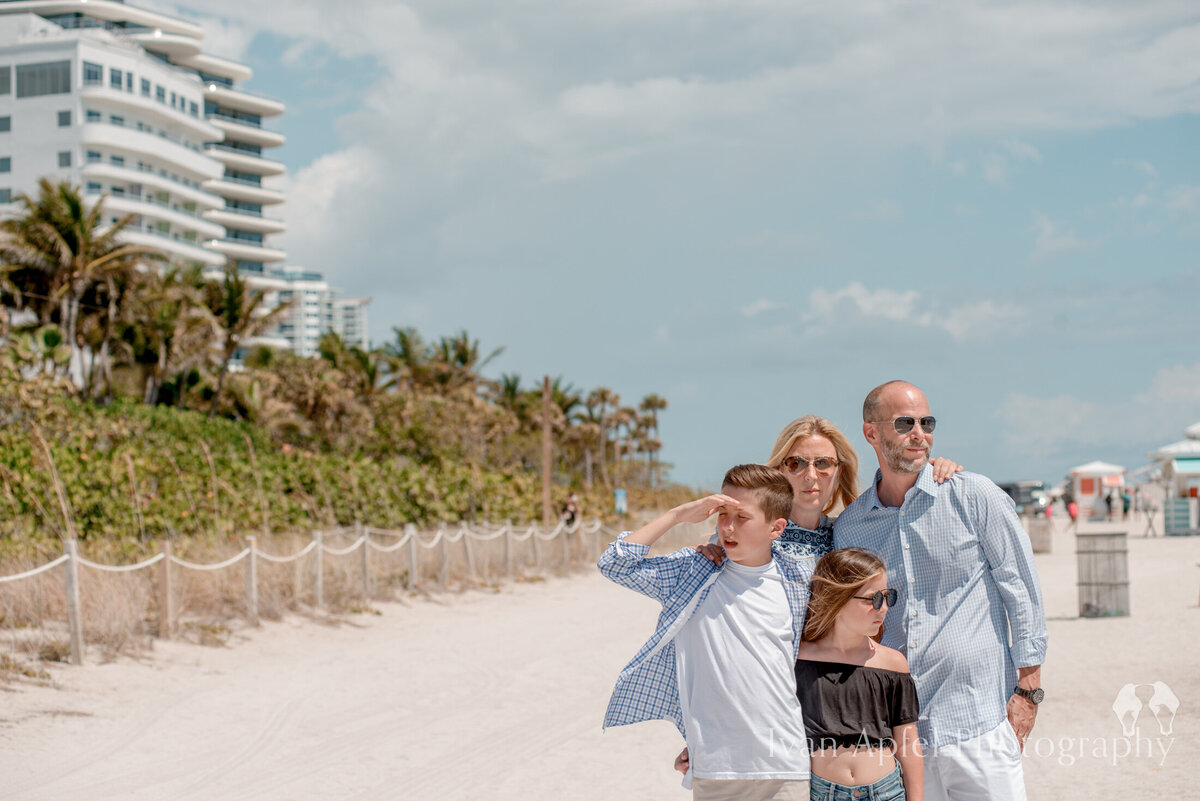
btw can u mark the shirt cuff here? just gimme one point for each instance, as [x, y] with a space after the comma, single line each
[1029, 652]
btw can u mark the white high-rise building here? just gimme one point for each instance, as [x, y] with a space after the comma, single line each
[318, 309]
[124, 102]
[350, 321]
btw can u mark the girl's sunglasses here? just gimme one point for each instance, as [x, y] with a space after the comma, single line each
[877, 600]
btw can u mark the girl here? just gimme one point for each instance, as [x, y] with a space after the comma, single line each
[858, 700]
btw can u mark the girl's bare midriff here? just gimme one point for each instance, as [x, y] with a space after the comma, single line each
[853, 766]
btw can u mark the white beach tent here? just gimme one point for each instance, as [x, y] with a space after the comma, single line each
[1092, 481]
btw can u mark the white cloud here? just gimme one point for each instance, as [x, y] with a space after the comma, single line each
[471, 96]
[1156, 415]
[1054, 239]
[760, 306]
[854, 303]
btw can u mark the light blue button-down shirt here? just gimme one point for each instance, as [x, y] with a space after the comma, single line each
[964, 573]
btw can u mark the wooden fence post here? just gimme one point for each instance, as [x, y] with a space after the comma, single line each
[166, 595]
[252, 580]
[508, 555]
[366, 559]
[318, 571]
[566, 550]
[74, 612]
[443, 557]
[466, 535]
[411, 531]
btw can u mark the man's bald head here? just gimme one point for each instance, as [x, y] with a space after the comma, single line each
[873, 405]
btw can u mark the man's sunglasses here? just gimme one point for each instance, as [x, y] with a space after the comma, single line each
[798, 464]
[879, 597]
[905, 424]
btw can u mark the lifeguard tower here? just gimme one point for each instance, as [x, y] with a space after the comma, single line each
[1179, 468]
[1091, 482]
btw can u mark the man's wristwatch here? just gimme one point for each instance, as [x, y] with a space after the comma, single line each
[1034, 696]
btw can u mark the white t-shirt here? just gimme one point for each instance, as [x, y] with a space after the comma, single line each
[737, 680]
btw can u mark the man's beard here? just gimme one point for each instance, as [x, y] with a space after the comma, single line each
[893, 452]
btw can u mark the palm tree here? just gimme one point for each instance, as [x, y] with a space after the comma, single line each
[242, 316]
[652, 404]
[598, 401]
[58, 237]
[172, 329]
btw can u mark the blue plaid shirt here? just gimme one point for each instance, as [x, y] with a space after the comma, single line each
[963, 568]
[647, 688]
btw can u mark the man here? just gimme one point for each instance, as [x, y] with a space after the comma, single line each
[965, 576]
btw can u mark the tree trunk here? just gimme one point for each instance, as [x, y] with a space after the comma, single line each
[212, 410]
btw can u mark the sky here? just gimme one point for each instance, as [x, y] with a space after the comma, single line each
[763, 209]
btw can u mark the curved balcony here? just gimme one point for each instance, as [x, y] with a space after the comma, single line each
[249, 193]
[148, 208]
[242, 100]
[152, 180]
[126, 141]
[247, 251]
[172, 45]
[106, 10]
[174, 247]
[243, 131]
[237, 221]
[108, 98]
[215, 65]
[242, 161]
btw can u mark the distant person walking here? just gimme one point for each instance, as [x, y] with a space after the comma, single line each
[1108, 502]
[1126, 502]
[1073, 513]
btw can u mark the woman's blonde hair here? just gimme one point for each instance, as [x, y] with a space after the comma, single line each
[810, 425]
[838, 577]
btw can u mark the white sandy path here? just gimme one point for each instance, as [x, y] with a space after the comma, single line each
[500, 695]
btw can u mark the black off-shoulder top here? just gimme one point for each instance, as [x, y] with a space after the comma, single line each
[853, 705]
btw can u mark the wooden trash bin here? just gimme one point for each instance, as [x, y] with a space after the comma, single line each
[1039, 530]
[1103, 565]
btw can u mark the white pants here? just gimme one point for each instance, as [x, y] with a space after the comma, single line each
[982, 768]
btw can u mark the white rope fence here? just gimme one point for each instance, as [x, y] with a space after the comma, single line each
[585, 538]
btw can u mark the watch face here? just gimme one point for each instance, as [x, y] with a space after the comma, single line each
[1037, 695]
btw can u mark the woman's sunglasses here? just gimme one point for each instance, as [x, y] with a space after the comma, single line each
[798, 464]
[877, 600]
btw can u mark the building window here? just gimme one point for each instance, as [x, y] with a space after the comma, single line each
[5, 163]
[118, 191]
[129, 82]
[194, 109]
[93, 188]
[64, 119]
[64, 158]
[93, 156]
[93, 115]
[5, 80]
[93, 74]
[115, 119]
[117, 161]
[173, 97]
[116, 79]
[5, 124]
[145, 88]
[47, 78]
[5, 195]
[160, 94]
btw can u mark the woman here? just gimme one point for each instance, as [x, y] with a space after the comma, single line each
[858, 699]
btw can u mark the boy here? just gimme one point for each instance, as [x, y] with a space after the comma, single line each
[721, 664]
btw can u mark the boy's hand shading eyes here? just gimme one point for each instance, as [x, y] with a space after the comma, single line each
[700, 510]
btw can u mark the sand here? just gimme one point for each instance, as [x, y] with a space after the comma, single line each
[500, 694]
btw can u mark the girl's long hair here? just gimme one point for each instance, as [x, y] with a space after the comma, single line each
[838, 577]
